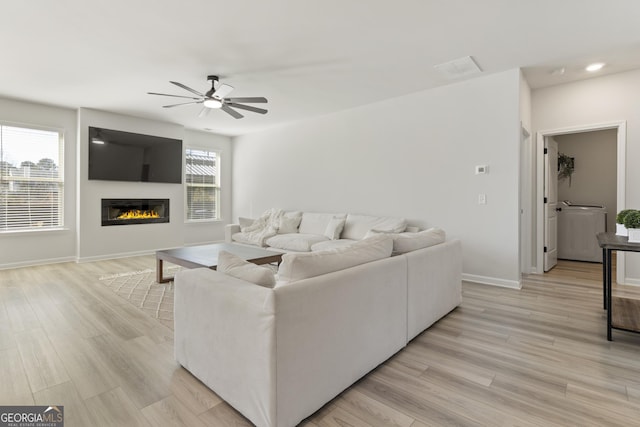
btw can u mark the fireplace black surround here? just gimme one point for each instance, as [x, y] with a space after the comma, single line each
[134, 211]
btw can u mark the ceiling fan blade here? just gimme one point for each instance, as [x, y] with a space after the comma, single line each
[222, 91]
[231, 112]
[187, 88]
[247, 99]
[247, 107]
[175, 96]
[183, 103]
[204, 112]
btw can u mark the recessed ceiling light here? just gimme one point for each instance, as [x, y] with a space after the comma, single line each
[558, 71]
[594, 67]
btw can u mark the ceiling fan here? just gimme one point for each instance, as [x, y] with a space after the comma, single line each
[214, 98]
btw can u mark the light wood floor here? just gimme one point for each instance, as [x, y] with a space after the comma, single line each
[537, 356]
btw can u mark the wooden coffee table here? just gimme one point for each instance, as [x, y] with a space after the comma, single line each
[207, 256]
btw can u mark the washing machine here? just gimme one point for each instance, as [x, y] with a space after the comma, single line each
[578, 225]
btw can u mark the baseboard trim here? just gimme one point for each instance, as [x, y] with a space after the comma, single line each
[114, 256]
[493, 281]
[79, 260]
[631, 282]
[139, 253]
[33, 263]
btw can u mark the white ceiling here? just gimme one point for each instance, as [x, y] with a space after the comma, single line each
[307, 57]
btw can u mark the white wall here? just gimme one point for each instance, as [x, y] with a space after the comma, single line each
[525, 103]
[96, 241]
[413, 156]
[527, 180]
[605, 99]
[21, 248]
[594, 177]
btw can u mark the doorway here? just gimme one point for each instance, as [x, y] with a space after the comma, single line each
[593, 180]
[541, 226]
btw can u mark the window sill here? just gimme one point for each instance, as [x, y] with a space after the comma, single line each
[203, 221]
[34, 232]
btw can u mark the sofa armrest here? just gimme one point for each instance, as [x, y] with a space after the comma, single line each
[334, 328]
[434, 284]
[230, 230]
[225, 336]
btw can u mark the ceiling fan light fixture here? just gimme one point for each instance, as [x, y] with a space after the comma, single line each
[216, 99]
[212, 103]
[594, 67]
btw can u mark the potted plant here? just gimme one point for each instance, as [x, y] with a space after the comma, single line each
[566, 166]
[632, 222]
[621, 230]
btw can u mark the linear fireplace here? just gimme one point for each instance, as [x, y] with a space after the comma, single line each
[134, 211]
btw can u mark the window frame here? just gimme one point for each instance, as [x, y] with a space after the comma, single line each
[60, 181]
[217, 185]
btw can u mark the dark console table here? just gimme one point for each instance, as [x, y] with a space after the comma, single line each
[610, 242]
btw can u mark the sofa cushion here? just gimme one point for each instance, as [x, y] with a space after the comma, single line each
[295, 241]
[316, 223]
[254, 238]
[235, 266]
[407, 242]
[298, 266]
[289, 222]
[241, 238]
[334, 228]
[357, 226]
[332, 244]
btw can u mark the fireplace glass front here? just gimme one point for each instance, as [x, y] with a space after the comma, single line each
[134, 211]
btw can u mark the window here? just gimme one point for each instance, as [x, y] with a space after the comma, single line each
[203, 184]
[31, 179]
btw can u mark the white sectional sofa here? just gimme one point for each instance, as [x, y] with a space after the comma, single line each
[279, 354]
[312, 231]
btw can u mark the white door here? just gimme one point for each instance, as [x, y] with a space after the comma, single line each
[551, 203]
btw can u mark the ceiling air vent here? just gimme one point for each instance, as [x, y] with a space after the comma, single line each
[461, 67]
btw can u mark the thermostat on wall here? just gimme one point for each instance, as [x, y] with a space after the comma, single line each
[481, 169]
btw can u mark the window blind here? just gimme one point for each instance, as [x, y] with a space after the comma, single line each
[31, 179]
[202, 184]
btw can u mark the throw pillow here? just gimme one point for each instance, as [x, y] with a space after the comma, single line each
[407, 242]
[412, 241]
[298, 266]
[357, 225]
[289, 224]
[235, 266]
[334, 228]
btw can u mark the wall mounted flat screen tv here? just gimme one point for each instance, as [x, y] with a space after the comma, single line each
[124, 156]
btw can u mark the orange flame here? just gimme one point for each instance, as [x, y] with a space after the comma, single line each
[138, 214]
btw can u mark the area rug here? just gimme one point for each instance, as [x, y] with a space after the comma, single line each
[141, 289]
